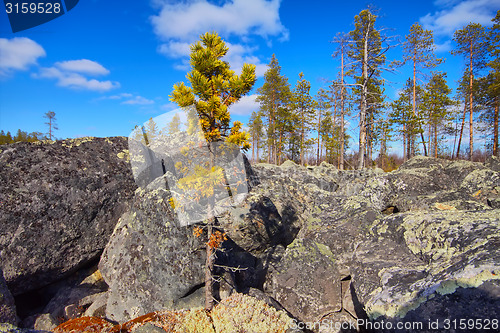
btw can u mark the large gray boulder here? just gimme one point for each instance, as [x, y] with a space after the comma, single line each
[150, 262]
[329, 246]
[59, 204]
[438, 249]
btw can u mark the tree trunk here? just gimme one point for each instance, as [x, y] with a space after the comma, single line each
[257, 150]
[429, 135]
[342, 92]
[414, 105]
[405, 156]
[253, 149]
[209, 263]
[209, 267]
[302, 135]
[280, 150]
[435, 141]
[362, 112]
[319, 137]
[461, 131]
[495, 129]
[471, 118]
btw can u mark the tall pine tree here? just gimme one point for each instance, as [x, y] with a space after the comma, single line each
[471, 44]
[494, 87]
[419, 50]
[368, 54]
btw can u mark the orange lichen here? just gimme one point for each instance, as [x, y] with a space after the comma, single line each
[197, 231]
[131, 324]
[216, 239]
[84, 324]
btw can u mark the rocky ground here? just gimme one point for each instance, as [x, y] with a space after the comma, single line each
[312, 245]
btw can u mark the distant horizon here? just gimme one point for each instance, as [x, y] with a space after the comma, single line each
[104, 68]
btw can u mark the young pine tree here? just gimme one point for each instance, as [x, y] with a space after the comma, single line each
[214, 88]
[274, 96]
[304, 108]
[435, 105]
[256, 127]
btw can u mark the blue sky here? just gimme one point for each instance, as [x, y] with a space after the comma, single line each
[106, 66]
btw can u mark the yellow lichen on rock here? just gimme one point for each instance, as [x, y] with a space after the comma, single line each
[71, 143]
[242, 313]
[124, 154]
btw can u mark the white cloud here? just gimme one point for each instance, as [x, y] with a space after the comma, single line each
[245, 106]
[180, 24]
[18, 54]
[169, 106]
[186, 21]
[174, 49]
[240, 54]
[461, 13]
[73, 80]
[120, 96]
[138, 100]
[83, 66]
[444, 47]
[128, 99]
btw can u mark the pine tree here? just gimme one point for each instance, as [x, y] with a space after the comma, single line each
[435, 105]
[324, 101]
[51, 116]
[3, 138]
[406, 122]
[151, 130]
[174, 124]
[21, 136]
[274, 95]
[329, 137]
[419, 50]
[470, 43]
[368, 53]
[384, 135]
[256, 128]
[214, 87]
[304, 108]
[342, 40]
[494, 87]
[8, 138]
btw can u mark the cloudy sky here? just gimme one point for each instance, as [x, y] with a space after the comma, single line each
[106, 66]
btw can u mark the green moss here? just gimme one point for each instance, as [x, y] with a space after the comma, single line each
[326, 251]
[297, 248]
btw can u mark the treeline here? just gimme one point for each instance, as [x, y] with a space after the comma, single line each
[22, 136]
[427, 117]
